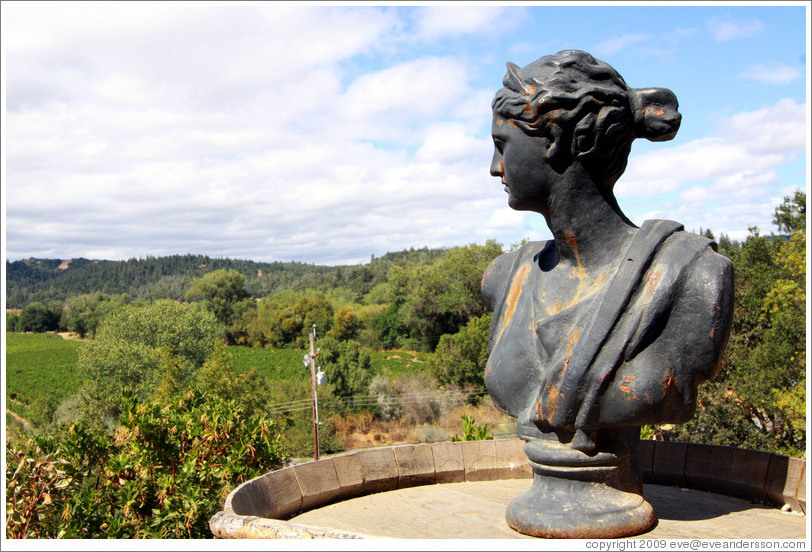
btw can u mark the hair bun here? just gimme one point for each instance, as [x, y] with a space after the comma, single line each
[655, 113]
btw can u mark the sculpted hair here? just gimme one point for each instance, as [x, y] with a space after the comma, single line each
[591, 104]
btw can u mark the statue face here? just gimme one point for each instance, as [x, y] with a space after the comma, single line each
[520, 160]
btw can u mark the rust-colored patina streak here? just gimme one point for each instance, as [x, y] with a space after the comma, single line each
[513, 296]
[651, 285]
[627, 389]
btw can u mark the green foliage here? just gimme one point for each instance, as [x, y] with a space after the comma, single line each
[275, 364]
[460, 358]
[38, 318]
[295, 417]
[347, 366]
[790, 216]
[83, 313]
[391, 330]
[145, 349]
[758, 398]
[442, 296]
[12, 322]
[40, 373]
[249, 388]
[162, 474]
[36, 489]
[346, 324]
[286, 319]
[221, 291]
[144, 279]
[471, 431]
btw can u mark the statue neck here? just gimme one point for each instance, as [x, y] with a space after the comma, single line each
[589, 228]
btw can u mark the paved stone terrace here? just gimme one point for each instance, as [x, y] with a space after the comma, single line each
[460, 490]
[475, 510]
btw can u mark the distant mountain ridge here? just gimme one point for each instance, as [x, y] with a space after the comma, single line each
[153, 278]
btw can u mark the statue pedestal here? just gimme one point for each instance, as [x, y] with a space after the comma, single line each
[582, 496]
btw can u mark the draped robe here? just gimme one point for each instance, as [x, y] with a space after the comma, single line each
[631, 353]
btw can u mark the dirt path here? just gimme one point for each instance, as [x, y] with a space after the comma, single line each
[19, 419]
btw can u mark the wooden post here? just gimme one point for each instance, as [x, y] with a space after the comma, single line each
[315, 398]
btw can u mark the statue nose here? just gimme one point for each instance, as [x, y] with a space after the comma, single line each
[497, 166]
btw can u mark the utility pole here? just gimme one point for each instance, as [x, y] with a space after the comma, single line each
[315, 397]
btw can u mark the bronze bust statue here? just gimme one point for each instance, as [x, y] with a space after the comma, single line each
[608, 326]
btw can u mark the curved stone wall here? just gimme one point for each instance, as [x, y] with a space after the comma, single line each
[258, 508]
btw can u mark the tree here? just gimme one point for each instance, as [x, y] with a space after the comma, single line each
[38, 318]
[83, 313]
[345, 324]
[758, 398]
[12, 322]
[143, 347]
[790, 216]
[221, 291]
[285, 319]
[460, 358]
[439, 297]
[389, 326]
[347, 367]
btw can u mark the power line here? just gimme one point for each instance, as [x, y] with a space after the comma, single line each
[375, 400]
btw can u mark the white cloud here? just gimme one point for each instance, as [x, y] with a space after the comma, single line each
[725, 181]
[419, 88]
[772, 73]
[309, 133]
[725, 30]
[616, 44]
[444, 21]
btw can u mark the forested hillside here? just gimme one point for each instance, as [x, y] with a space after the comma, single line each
[43, 280]
[155, 369]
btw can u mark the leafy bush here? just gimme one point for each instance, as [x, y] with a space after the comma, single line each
[460, 358]
[347, 366]
[471, 431]
[142, 348]
[162, 474]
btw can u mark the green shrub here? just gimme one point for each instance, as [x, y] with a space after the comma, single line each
[162, 474]
[471, 431]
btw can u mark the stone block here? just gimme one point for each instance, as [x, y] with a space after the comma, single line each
[285, 494]
[801, 496]
[668, 464]
[449, 465]
[707, 467]
[645, 455]
[784, 478]
[514, 460]
[253, 498]
[319, 483]
[415, 465]
[348, 471]
[379, 470]
[748, 475]
[482, 463]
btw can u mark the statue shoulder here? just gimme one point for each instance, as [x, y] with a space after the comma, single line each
[501, 269]
[707, 284]
[707, 264]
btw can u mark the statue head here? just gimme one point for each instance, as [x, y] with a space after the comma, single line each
[587, 106]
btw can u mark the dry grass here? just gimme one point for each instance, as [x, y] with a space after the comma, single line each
[364, 430]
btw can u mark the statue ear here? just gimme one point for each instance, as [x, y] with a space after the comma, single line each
[557, 150]
[584, 137]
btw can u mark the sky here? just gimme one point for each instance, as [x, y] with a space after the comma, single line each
[327, 134]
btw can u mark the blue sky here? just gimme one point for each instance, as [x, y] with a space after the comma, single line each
[326, 134]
